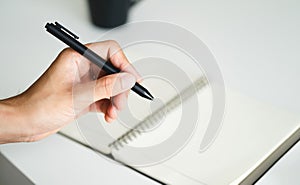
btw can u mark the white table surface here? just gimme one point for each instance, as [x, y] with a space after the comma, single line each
[59, 160]
[256, 43]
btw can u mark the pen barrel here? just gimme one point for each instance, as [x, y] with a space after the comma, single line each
[67, 39]
[100, 62]
[82, 49]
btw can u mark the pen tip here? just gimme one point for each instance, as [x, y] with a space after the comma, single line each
[140, 90]
[151, 97]
[148, 95]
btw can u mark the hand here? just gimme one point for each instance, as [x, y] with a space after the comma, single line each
[71, 86]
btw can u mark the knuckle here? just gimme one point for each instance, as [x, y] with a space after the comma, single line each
[114, 46]
[107, 86]
[66, 51]
[69, 53]
[113, 43]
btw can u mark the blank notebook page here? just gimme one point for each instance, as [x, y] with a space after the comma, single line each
[250, 132]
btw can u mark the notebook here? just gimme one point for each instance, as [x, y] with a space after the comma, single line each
[252, 137]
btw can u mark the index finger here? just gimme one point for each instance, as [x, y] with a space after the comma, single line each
[111, 51]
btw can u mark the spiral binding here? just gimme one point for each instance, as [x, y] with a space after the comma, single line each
[153, 119]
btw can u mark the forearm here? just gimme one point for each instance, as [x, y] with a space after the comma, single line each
[10, 122]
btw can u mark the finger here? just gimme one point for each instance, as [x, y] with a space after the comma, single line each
[120, 100]
[111, 50]
[65, 69]
[105, 106]
[108, 119]
[111, 113]
[112, 85]
[87, 93]
[83, 96]
[100, 106]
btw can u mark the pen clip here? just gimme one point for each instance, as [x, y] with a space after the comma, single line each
[66, 30]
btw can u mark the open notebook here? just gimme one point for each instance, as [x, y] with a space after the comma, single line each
[252, 137]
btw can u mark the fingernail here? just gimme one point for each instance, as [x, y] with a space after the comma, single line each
[127, 80]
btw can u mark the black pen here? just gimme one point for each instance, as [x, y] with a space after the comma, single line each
[70, 39]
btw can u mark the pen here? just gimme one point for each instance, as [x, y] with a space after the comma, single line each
[70, 39]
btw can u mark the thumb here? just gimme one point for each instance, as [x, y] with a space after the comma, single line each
[114, 84]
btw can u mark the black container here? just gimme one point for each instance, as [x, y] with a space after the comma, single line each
[109, 13]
